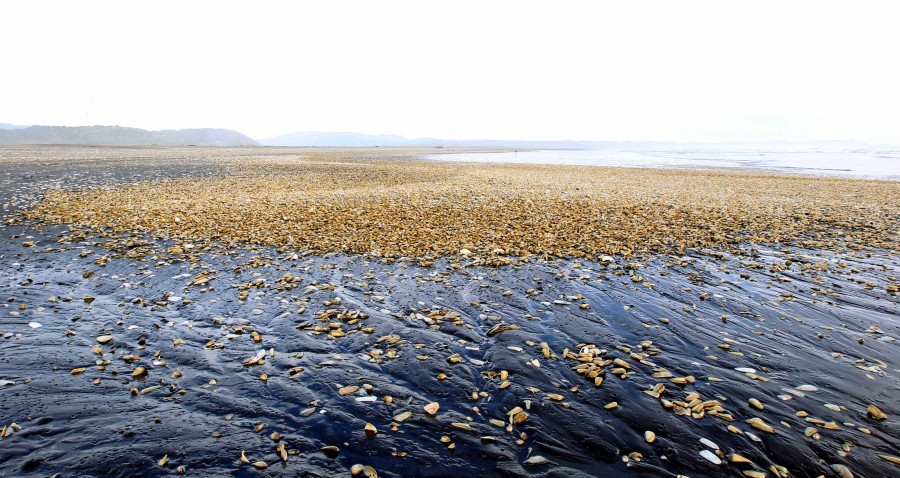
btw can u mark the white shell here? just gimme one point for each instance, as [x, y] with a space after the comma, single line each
[709, 444]
[711, 457]
[536, 460]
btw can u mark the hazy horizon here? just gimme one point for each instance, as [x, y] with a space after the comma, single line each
[689, 72]
[501, 142]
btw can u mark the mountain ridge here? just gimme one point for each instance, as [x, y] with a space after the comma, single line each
[122, 136]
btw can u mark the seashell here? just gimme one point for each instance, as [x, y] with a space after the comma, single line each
[756, 404]
[402, 416]
[874, 413]
[760, 425]
[330, 451]
[348, 389]
[711, 457]
[536, 460]
[709, 444]
[842, 470]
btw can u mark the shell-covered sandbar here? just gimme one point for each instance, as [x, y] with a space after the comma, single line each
[322, 312]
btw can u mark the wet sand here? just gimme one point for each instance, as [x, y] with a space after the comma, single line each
[807, 332]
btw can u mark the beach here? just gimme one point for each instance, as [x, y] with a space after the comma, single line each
[291, 311]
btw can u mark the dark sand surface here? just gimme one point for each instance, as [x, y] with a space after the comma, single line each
[821, 321]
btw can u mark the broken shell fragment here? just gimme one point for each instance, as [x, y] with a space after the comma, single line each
[402, 416]
[348, 390]
[330, 451]
[874, 413]
[536, 460]
[759, 424]
[756, 404]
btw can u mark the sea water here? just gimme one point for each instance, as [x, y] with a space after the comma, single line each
[880, 163]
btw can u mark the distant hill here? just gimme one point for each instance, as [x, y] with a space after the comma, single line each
[11, 126]
[122, 136]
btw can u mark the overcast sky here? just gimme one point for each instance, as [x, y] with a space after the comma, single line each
[625, 70]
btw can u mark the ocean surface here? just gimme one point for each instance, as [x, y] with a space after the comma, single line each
[881, 163]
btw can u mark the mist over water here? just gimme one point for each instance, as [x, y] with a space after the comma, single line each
[880, 163]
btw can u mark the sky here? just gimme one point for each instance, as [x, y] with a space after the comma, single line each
[632, 70]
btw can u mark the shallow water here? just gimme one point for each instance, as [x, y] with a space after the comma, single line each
[882, 163]
[786, 316]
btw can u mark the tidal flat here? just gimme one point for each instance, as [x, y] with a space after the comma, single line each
[338, 312]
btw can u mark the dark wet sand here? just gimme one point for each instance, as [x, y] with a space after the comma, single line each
[792, 321]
